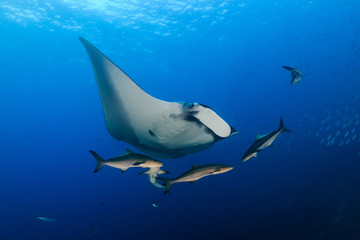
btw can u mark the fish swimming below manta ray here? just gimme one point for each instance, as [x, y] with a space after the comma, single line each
[195, 173]
[46, 219]
[129, 160]
[263, 141]
[126, 161]
[159, 128]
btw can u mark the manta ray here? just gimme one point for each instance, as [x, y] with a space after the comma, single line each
[156, 127]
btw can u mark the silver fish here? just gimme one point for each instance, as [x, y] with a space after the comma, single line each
[264, 141]
[195, 173]
[126, 161]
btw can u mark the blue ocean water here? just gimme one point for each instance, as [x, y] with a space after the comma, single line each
[225, 54]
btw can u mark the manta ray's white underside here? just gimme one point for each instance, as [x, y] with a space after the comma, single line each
[162, 129]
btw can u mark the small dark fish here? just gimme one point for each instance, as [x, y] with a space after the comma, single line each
[94, 230]
[296, 74]
[46, 219]
[264, 141]
[155, 204]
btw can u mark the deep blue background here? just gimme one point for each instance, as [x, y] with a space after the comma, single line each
[225, 54]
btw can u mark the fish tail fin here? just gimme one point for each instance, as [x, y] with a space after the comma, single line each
[282, 126]
[145, 172]
[100, 162]
[168, 182]
[163, 172]
[288, 68]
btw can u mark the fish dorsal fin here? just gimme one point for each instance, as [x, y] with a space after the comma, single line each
[138, 163]
[128, 151]
[145, 172]
[195, 166]
[258, 136]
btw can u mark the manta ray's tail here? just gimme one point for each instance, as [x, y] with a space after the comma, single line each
[168, 182]
[100, 162]
[288, 68]
[282, 126]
